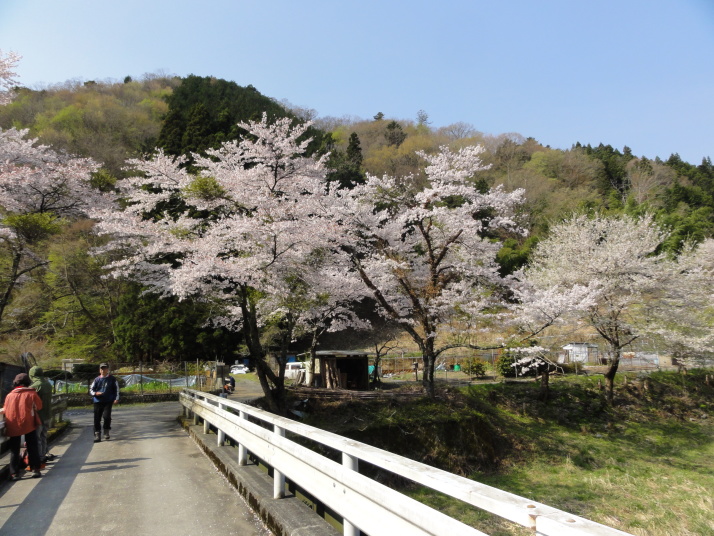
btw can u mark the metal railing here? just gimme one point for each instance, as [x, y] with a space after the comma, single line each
[364, 503]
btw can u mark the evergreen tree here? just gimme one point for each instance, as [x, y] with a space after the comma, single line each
[151, 328]
[197, 129]
[614, 174]
[204, 112]
[346, 167]
[395, 134]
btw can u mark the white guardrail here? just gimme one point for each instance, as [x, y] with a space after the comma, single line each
[364, 503]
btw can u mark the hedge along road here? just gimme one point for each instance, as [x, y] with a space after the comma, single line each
[150, 478]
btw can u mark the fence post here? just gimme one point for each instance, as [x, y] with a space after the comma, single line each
[278, 477]
[242, 451]
[352, 463]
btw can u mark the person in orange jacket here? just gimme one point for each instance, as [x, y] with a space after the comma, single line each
[21, 418]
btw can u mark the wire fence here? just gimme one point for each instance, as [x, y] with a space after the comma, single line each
[139, 378]
[392, 365]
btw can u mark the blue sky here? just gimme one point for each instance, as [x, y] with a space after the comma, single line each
[622, 72]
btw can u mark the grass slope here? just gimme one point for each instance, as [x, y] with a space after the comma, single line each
[644, 466]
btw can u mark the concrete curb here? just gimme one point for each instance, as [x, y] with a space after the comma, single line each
[288, 516]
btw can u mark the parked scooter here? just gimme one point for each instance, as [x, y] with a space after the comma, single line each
[230, 385]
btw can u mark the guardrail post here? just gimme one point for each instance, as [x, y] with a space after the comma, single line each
[195, 416]
[242, 451]
[221, 433]
[349, 462]
[278, 477]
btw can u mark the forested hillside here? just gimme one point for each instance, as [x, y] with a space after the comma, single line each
[108, 121]
[557, 182]
[66, 308]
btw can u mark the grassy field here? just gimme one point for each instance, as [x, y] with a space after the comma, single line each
[645, 478]
[644, 466]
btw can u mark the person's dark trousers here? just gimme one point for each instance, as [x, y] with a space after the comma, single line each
[102, 410]
[42, 439]
[16, 463]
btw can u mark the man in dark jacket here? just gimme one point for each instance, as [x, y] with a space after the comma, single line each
[44, 388]
[105, 393]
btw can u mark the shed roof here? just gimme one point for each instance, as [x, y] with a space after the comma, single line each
[342, 353]
[572, 345]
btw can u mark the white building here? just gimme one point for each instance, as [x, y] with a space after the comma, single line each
[579, 352]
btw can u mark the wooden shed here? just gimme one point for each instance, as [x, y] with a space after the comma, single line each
[343, 369]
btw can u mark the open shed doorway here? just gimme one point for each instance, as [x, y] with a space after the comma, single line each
[342, 369]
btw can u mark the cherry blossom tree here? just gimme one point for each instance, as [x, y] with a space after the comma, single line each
[608, 267]
[40, 190]
[426, 247]
[8, 80]
[682, 315]
[536, 359]
[243, 230]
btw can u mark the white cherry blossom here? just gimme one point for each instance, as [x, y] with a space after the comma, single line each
[425, 253]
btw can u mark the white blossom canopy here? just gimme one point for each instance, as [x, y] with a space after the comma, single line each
[251, 216]
[8, 80]
[426, 253]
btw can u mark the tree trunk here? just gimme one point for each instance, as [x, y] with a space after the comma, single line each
[274, 396]
[375, 373]
[545, 385]
[310, 372]
[612, 371]
[427, 377]
[5, 299]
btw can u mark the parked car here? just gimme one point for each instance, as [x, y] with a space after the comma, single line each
[239, 369]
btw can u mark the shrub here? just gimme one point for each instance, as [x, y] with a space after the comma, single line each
[474, 366]
[504, 365]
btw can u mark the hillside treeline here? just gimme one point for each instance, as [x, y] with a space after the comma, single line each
[69, 309]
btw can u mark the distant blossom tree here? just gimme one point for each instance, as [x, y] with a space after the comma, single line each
[40, 190]
[602, 271]
[427, 254]
[682, 316]
[8, 80]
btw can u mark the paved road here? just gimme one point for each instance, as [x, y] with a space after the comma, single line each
[150, 479]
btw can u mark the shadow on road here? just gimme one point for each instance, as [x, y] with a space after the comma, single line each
[51, 493]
